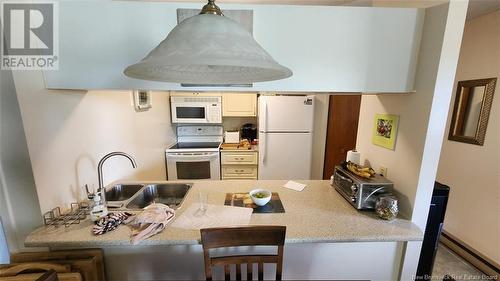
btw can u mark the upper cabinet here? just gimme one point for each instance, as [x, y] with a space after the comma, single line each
[328, 48]
[239, 104]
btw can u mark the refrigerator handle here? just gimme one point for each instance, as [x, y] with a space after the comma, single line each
[262, 141]
[264, 115]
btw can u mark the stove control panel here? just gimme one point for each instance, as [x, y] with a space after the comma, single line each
[184, 131]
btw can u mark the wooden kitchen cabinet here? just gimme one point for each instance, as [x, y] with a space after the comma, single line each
[239, 104]
[239, 164]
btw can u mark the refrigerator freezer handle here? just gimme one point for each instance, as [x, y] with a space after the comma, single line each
[264, 116]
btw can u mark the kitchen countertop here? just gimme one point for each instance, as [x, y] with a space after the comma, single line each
[317, 214]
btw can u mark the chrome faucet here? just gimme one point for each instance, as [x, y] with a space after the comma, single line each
[99, 170]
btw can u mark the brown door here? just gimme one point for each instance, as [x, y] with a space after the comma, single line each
[343, 116]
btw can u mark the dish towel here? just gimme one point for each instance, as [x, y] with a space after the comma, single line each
[110, 222]
[149, 222]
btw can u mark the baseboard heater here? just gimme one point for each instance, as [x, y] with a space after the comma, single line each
[484, 264]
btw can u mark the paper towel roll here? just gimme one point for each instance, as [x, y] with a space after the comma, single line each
[354, 156]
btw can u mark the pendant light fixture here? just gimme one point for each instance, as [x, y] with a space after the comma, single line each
[208, 48]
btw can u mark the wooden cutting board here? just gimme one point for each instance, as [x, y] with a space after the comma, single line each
[235, 146]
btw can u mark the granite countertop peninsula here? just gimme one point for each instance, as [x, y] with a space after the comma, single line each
[318, 214]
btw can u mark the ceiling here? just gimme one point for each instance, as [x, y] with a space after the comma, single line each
[476, 7]
[482, 7]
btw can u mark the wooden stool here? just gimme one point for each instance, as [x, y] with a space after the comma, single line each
[212, 238]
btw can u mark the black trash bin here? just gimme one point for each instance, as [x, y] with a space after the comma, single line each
[433, 230]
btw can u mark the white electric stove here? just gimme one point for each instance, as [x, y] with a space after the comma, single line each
[195, 156]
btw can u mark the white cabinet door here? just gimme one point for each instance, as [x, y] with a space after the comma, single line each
[239, 104]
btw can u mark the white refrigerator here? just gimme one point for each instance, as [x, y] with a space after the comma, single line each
[285, 137]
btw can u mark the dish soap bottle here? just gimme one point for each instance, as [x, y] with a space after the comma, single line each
[99, 210]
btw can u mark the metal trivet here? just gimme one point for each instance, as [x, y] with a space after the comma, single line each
[78, 212]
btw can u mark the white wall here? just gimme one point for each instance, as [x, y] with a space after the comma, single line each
[413, 163]
[405, 161]
[19, 208]
[472, 171]
[319, 135]
[376, 261]
[68, 132]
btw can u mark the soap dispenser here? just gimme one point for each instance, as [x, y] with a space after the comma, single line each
[99, 210]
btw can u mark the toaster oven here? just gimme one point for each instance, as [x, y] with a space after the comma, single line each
[362, 193]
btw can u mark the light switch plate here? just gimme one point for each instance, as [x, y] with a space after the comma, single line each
[383, 171]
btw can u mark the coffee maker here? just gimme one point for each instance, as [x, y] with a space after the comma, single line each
[249, 132]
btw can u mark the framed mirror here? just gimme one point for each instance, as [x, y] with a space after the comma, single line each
[472, 110]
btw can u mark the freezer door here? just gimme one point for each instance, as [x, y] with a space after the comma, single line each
[286, 113]
[285, 156]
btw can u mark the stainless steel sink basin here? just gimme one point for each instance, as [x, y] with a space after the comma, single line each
[121, 192]
[138, 196]
[169, 194]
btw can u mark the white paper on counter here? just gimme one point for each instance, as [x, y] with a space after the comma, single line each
[214, 216]
[295, 185]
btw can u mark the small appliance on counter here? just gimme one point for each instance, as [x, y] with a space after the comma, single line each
[249, 132]
[362, 193]
[232, 137]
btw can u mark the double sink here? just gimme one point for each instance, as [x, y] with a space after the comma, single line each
[138, 196]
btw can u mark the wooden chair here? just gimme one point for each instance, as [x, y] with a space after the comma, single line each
[212, 238]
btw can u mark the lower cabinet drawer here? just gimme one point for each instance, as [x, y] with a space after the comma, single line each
[239, 172]
[239, 158]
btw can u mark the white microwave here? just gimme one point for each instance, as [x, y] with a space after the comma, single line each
[196, 109]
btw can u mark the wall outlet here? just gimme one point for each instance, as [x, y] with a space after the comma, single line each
[383, 171]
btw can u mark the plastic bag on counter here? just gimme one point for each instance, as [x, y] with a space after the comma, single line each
[149, 222]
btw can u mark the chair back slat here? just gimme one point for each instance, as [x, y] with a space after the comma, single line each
[261, 271]
[212, 238]
[249, 271]
[208, 270]
[238, 271]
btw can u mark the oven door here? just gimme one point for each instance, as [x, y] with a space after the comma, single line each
[193, 165]
[190, 112]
